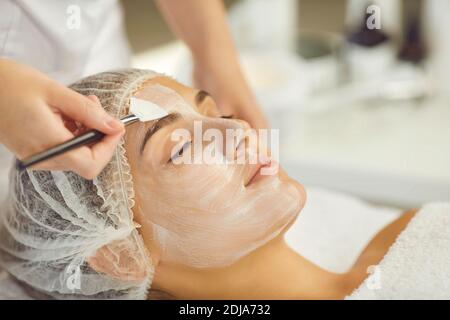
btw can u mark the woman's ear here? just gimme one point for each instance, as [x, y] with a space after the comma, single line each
[122, 260]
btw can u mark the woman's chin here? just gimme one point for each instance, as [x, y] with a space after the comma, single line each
[299, 198]
[299, 189]
[301, 195]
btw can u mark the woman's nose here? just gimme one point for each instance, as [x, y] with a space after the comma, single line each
[246, 143]
[238, 141]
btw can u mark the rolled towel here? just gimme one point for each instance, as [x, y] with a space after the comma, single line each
[417, 266]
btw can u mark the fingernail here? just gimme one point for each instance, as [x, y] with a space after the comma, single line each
[114, 124]
[94, 99]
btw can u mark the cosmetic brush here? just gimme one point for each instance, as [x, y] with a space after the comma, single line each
[140, 110]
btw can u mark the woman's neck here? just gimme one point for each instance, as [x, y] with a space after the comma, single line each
[274, 271]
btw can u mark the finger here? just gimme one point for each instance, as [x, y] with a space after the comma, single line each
[89, 162]
[58, 163]
[94, 99]
[82, 109]
[69, 124]
[86, 162]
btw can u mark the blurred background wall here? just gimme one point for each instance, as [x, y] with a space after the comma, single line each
[144, 15]
[322, 16]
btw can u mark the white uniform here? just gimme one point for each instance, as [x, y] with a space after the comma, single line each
[65, 39]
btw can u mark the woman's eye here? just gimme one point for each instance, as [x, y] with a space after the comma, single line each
[180, 152]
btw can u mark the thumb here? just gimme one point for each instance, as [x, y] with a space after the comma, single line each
[87, 111]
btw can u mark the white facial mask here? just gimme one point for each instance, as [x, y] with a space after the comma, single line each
[202, 215]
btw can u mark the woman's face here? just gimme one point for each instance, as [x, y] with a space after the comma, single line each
[195, 212]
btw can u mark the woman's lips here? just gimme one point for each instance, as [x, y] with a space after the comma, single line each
[255, 173]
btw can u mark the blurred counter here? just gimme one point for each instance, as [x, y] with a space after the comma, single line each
[388, 153]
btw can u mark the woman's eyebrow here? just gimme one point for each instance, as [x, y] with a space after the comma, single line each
[200, 96]
[171, 118]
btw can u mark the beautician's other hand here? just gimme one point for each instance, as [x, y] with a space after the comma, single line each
[228, 87]
[37, 113]
[202, 25]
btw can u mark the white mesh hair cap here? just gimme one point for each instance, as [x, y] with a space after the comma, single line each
[54, 223]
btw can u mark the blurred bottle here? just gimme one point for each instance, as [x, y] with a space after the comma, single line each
[369, 52]
[413, 47]
[390, 11]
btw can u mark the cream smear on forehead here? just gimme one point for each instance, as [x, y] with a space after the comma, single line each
[164, 97]
[203, 215]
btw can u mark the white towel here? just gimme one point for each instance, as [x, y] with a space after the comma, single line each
[334, 228]
[417, 266]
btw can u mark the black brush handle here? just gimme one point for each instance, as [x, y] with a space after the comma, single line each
[86, 138]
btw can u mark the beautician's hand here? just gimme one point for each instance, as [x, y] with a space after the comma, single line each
[203, 27]
[230, 91]
[37, 113]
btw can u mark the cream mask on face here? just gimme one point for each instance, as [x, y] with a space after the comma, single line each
[202, 215]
